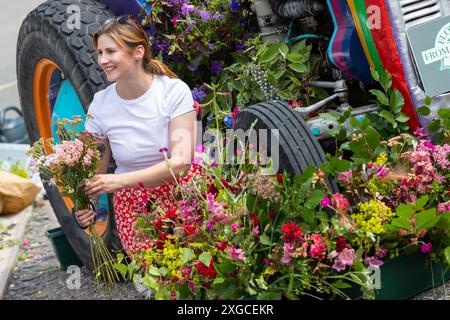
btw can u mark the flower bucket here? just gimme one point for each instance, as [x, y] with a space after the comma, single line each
[63, 250]
[408, 275]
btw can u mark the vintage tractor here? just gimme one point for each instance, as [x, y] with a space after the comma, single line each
[58, 74]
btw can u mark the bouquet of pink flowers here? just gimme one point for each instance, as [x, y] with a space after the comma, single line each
[68, 164]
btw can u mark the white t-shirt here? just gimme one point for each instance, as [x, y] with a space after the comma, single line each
[137, 129]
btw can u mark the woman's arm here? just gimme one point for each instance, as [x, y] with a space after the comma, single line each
[182, 133]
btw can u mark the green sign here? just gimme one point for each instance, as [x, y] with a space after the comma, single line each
[430, 45]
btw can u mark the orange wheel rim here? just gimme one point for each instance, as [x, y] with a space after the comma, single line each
[41, 87]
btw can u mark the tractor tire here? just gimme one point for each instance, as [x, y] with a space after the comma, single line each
[298, 148]
[46, 33]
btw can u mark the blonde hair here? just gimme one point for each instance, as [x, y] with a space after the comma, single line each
[130, 34]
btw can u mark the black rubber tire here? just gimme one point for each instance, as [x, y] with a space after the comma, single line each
[44, 34]
[298, 147]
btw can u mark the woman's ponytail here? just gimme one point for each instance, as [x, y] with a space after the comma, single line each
[158, 68]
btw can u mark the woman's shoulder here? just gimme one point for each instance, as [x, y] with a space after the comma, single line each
[170, 84]
[105, 93]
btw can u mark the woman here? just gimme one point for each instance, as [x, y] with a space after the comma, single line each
[146, 113]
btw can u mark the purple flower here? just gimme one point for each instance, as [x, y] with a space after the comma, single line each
[211, 46]
[266, 261]
[234, 5]
[382, 171]
[325, 202]
[193, 68]
[214, 164]
[234, 114]
[240, 46]
[205, 15]
[425, 248]
[198, 94]
[217, 16]
[163, 150]
[216, 66]
[288, 250]
[186, 9]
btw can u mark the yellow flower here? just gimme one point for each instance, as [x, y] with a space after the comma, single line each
[382, 159]
[372, 216]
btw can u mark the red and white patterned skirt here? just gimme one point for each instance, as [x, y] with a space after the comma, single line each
[129, 203]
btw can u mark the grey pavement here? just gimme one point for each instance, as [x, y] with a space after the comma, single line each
[11, 16]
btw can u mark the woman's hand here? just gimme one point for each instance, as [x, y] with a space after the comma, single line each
[102, 183]
[85, 217]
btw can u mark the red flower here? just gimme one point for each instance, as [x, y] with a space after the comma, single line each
[273, 214]
[291, 231]
[171, 214]
[190, 229]
[280, 178]
[228, 185]
[209, 272]
[254, 217]
[341, 243]
[221, 245]
[197, 108]
[213, 189]
[158, 224]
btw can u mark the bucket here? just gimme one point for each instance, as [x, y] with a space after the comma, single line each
[63, 250]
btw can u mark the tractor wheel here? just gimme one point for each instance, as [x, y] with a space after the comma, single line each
[57, 77]
[298, 148]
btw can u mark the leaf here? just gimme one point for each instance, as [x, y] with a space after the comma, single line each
[269, 54]
[404, 211]
[447, 254]
[163, 271]
[265, 240]
[421, 202]
[265, 295]
[373, 137]
[294, 57]
[153, 271]
[427, 100]
[375, 75]
[123, 269]
[299, 67]
[272, 79]
[341, 284]
[261, 283]
[424, 111]
[226, 267]
[389, 117]
[381, 96]
[434, 126]
[402, 118]
[205, 258]
[308, 215]
[188, 255]
[196, 244]
[396, 101]
[401, 223]
[219, 281]
[283, 49]
[314, 198]
[299, 46]
[426, 219]
[386, 80]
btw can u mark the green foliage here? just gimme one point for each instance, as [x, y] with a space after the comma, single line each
[439, 125]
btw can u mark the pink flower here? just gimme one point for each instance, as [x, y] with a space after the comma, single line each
[340, 203]
[345, 176]
[288, 251]
[318, 248]
[255, 231]
[196, 161]
[213, 206]
[325, 202]
[214, 164]
[429, 145]
[174, 20]
[382, 171]
[69, 151]
[26, 244]
[200, 148]
[234, 115]
[338, 265]
[373, 262]
[235, 227]
[347, 256]
[425, 248]
[236, 253]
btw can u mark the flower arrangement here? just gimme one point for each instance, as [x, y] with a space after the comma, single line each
[67, 165]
